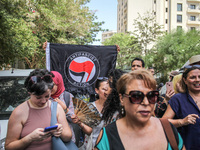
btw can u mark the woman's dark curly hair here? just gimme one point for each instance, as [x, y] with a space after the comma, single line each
[40, 87]
[112, 103]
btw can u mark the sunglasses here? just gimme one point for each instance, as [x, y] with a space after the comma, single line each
[45, 78]
[136, 97]
[102, 78]
[189, 66]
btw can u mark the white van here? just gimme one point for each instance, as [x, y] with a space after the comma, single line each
[12, 93]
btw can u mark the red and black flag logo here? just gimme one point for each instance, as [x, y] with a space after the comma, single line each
[80, 65]
[82, 69]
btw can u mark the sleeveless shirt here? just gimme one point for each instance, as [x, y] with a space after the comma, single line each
[37, 118]
[110, 139]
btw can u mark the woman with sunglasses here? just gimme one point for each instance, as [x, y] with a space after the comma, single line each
[27, 122]
[184, 108]
[137, 129]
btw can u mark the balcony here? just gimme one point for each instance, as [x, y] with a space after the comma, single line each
[193, 0]
[197, 22]
[196, 11]
[125, 10]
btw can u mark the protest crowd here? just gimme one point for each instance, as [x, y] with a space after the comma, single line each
[126, 111]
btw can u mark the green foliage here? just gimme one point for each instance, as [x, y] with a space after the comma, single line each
[172, 50]
[26, 25]
[146, 30]
[129, 48]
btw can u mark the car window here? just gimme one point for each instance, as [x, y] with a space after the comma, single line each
[12, 93]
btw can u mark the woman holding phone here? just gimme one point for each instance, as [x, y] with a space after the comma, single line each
[27, 122]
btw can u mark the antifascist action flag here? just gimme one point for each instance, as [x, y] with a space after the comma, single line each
[80, 65]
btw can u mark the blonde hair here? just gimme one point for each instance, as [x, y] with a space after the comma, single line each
[140, 74]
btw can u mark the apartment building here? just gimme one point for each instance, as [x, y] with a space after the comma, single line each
[171, 14]
[107, 35]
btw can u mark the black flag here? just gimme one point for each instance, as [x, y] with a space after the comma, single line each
[80, 65]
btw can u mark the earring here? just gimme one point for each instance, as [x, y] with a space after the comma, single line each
[122, 110]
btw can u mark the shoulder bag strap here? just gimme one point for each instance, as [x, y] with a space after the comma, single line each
[169, 132]
[53, 113]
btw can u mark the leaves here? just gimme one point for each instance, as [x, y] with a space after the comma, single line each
[146, 30]
[25, 25]
[129, 48]
[173, 49]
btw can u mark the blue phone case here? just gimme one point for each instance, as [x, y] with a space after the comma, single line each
[50, 128]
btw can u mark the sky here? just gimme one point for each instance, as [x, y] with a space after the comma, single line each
[107, 12]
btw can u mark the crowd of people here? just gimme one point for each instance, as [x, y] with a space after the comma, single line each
[131, 106]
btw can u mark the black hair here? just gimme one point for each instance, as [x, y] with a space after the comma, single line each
[139, 59]
[112, 103]
[185, 74]
[97, 84]
[40, 87]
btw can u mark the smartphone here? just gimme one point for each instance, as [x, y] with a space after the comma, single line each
[169, 86]
[50, 128]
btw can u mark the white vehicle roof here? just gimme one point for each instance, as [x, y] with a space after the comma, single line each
[15, 72]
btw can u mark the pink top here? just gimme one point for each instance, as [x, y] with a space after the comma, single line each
[37, 118]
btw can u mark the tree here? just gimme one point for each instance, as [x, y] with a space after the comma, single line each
[146, 30]
[129, 48]
[25, 25]
[173, 49]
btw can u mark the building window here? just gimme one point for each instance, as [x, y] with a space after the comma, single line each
[179, 18]
[166, 0]
[154, 13]
[192, 6]
[193, 18]
[166, 21]
[154, 1]
[166, 31]
[179, 7]
[179, 27]
[166, 9]
[192, 28]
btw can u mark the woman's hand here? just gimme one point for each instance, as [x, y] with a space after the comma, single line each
[62, 104]
[57, 132]
[190, 119]
[39, 135]
[118, 48]
[44, 46]
[75, 119]
[169, 94]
